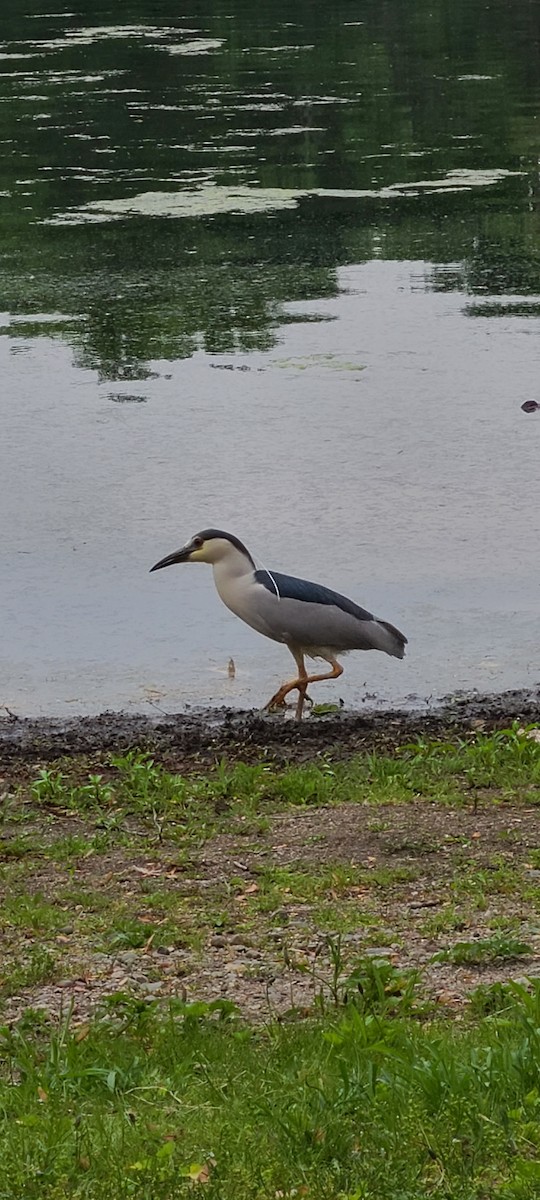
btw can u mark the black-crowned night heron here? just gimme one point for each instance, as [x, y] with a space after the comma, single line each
[307, 617]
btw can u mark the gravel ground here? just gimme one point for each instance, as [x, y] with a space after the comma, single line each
[275, 958]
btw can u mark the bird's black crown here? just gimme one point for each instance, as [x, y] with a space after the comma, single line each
[208, 535]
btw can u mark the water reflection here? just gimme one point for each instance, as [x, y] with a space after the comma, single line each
[188, 203]
[232, 110]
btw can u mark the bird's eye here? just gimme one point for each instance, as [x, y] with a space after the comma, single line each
[197, 543]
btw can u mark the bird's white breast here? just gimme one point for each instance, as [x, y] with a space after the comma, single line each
[245, 597]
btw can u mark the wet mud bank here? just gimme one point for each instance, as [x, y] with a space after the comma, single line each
[205, 736]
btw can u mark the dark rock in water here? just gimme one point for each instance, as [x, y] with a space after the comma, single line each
[530, 406]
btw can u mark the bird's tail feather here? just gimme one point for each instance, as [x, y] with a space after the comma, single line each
[395, 643]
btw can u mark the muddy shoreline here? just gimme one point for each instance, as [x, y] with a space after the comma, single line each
[207, 735]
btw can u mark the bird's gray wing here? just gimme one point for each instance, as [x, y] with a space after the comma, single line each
[309, 615]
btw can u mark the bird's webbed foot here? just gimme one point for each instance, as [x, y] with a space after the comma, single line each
[278, 700]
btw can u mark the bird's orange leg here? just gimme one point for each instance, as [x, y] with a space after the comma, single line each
[278, 700]
[301, 685]
[335, 673]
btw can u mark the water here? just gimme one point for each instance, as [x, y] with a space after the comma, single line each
[274, 270]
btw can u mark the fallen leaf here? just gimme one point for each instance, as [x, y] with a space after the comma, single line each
[249, 891]
[200, 1172]
[42, 1095]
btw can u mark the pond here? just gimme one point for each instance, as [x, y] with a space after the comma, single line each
[274, 268]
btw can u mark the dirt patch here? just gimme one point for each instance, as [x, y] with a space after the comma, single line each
[252, 918]
[184, 740]
[388, 836]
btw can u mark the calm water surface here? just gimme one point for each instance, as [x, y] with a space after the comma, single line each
[275, 269]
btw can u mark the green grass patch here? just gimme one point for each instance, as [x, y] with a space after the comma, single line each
[378, 1095]
[358, 1104]
[31, 911]
[37, 965]
[237, 796]
[483, 951]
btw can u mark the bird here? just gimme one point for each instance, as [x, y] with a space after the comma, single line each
[310, 619]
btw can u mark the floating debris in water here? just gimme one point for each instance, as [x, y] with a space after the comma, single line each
[213, 199]
[197, 46]
[100, 33]
[124, 398]
[475, 78]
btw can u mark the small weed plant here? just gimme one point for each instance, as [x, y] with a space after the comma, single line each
[483, 951]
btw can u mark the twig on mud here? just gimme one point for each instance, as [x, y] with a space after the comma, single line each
[11, 715]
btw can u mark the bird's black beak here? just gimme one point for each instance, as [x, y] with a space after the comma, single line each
[179, 556]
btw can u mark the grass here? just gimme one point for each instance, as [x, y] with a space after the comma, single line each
[507, 763]
[79, 828]
[37, 966]
[342, 905]
[356, 1104]
[486, 950]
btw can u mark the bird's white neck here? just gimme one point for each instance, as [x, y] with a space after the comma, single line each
[230, 571]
